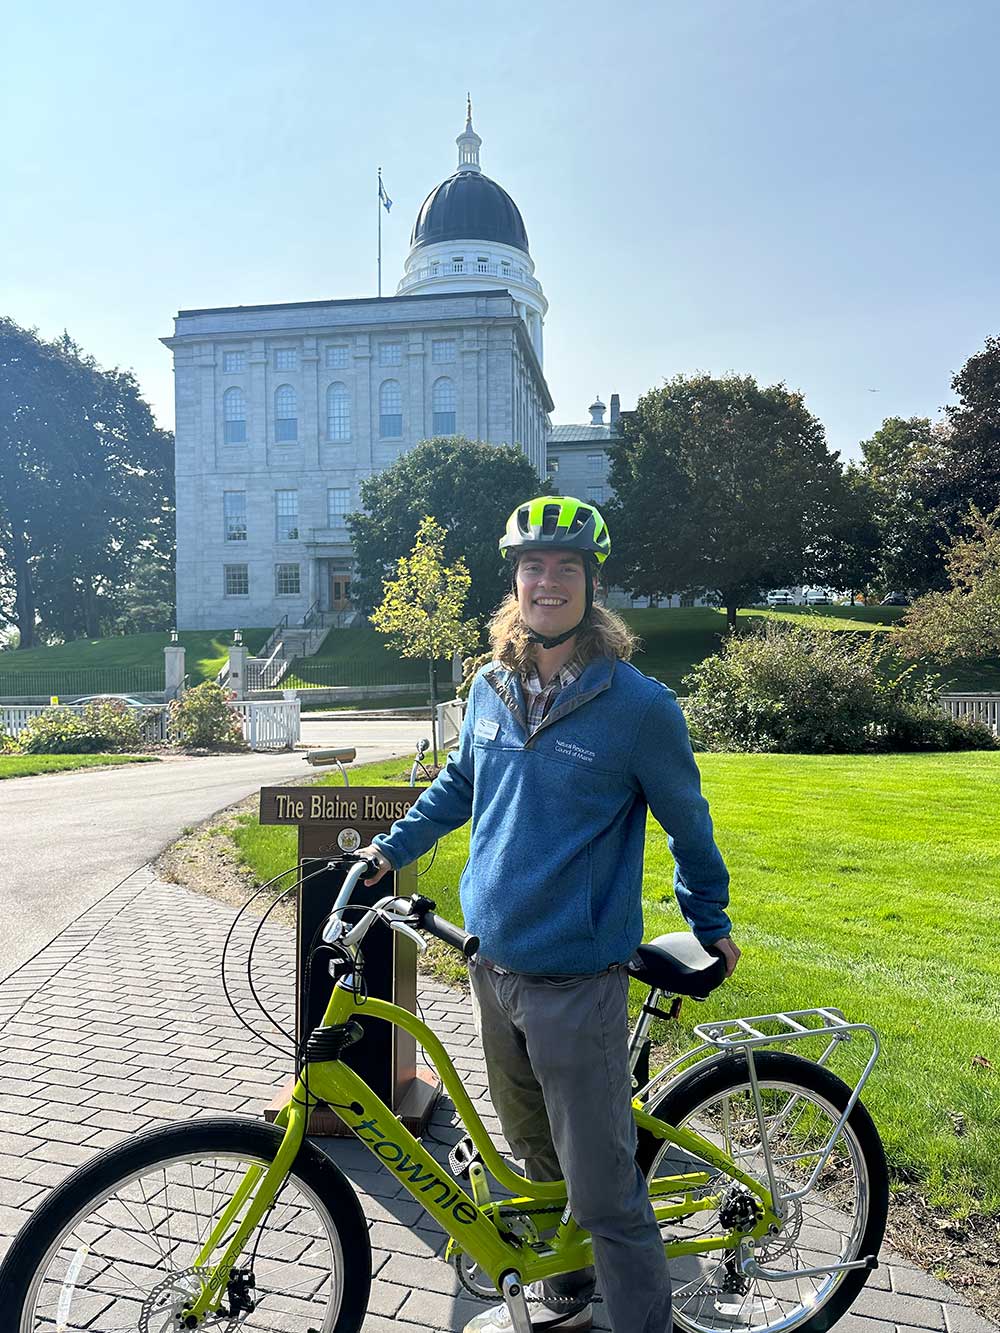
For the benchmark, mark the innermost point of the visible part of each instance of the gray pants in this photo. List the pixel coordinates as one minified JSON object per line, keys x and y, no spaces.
{"x":557,"y":1065}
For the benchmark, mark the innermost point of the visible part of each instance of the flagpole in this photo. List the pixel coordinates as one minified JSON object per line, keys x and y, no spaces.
{"x":378,"y":206}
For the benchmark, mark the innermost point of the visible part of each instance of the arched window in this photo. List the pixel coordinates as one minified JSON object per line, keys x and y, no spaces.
{"x":443,"y":402}
{"x":286,"y":421}
{"x":390,"y":410}
{"x":234,"y":414}
{"x":338,"y":413}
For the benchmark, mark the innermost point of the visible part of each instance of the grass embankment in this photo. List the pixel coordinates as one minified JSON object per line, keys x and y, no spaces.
{"x":206,"y":651}
{"x":675,"y":640}
{"x":865,"y":883}
{"x":360,"y":656}
{"x":27,"y":765}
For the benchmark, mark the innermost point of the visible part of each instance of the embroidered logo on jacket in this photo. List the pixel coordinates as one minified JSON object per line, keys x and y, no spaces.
{"x":573,"y":751}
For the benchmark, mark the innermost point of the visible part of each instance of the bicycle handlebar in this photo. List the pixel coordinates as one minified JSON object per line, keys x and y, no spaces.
{"x":418,"y":908}
{"x":444,"y":930}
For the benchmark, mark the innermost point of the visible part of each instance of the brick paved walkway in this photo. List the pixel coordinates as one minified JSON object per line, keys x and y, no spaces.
{"x":93,"y":1047}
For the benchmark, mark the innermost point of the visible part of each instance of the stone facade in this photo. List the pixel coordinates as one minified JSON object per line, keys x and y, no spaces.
{"x":282,"y":411}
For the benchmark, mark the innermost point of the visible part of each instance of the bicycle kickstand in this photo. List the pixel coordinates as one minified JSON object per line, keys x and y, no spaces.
{"x":512,"y":1290}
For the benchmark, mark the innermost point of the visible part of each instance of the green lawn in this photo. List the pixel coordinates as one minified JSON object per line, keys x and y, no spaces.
{"x":360,"y":657}
{"x":867,"y":883}
{"x":27,"y":765}
{"x":206,"y":651}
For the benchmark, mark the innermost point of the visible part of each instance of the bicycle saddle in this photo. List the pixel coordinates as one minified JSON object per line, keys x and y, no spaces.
{"x":678,"y":964}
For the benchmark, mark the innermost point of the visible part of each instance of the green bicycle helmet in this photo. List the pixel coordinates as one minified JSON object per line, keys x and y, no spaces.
{"x":558,"y":523}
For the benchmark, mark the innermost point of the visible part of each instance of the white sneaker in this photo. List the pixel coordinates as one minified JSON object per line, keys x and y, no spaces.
{"x":498,"y":1319}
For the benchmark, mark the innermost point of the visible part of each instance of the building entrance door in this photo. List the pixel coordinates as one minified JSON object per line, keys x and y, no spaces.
{"x":340,"y":591}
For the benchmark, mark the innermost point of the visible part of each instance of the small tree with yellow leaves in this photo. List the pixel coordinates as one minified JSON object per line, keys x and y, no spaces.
{"x":421,"y":608}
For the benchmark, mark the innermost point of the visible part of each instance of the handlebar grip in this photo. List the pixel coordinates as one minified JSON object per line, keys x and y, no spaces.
{"x":449,"y":933}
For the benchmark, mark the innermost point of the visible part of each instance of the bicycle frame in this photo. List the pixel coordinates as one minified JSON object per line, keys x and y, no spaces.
{"x":475,"y":1229}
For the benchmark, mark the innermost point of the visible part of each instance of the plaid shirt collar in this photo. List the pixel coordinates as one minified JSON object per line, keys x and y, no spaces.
{"x":538,"y":697}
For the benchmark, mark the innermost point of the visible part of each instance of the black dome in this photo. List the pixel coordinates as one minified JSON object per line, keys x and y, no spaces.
{"x":469,"y":207}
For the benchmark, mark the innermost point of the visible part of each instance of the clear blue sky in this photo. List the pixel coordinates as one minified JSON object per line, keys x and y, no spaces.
{"x":805,"y":190}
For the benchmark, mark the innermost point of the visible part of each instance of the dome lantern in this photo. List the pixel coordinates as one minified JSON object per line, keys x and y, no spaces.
{"x":469,"y":142}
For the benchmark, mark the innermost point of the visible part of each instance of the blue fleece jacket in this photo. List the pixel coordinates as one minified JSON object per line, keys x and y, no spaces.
{"x":553,"y":884}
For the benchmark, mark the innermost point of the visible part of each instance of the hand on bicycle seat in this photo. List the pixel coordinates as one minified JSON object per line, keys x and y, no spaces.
{"x":730,"y":952}
{"x":372,"y":853}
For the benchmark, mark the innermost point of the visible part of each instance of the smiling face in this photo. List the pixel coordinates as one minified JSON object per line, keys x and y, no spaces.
{"x":551,"y":590}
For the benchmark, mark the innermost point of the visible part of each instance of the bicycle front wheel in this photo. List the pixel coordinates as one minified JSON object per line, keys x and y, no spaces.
{"x":841,"y":1219}
{"x":114,"y":1247}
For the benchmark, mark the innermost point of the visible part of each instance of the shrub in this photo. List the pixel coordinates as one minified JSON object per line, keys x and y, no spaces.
{"x":202,"y":719}
{"x":470,"y":666}
{"x":58,"y":731}
{"x":806,"y":691}
{"x":102,"y":727}
{"x":114,"y":722}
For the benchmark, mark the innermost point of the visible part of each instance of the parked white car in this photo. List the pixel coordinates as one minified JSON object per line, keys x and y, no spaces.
{"x":817,"y":597}
{"x":780,"y":597}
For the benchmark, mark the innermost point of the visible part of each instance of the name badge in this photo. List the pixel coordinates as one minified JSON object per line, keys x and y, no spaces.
{"x":486,"y":728}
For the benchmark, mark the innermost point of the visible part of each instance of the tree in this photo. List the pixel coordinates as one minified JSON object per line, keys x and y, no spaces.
{"x":721,"y":486}
{"x":964,"y":620}
{"x":421,"y":609}
{"x":898,"y":462}
{"x":85,"y":479}
{"x":471,"y":489}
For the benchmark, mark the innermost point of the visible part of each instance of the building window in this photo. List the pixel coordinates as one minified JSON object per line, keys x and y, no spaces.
{"x":338,"y":498}
{"x":595,"y":494}
{"x":234,"y":515}
{"x":337,"y":358}
{"x":338,"y":412}
{"x":390,"y":354}
{"x":482,"y":264}
{"x":457,"y":264}
{"x":435,"y":268}
{"x":286,"y":421}
{"x":234,"y":363}
{"x":234,"y":414}
{"x":552,"y":465}
{"x":595,"y":463}
{"x":286,"y":516}
{"x":390,"y":410}
{"x":236,"y":580}
{"x":443,"y":403}
{"x":286,"y":580}
{"x":505,"y":267}
{"x":443,"y":350}
{"x":286,"y":358}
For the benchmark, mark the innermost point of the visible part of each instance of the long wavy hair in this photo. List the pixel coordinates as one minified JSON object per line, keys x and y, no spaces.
{"x":604,"y":635}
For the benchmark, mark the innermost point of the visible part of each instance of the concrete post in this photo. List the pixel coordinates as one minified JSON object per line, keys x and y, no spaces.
{"x":238,"y":669}
{"x":456,"y":668}
{"x":173,"y":671}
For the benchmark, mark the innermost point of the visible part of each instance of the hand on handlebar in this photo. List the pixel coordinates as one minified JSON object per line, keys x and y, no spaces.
{"x":372,"y":853}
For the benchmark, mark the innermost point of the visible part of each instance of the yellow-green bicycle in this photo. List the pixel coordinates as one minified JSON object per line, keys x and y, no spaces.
{"x":765,"y":1171}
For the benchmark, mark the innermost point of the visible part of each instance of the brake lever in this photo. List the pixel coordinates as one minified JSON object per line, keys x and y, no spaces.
{"x":405,"y":929}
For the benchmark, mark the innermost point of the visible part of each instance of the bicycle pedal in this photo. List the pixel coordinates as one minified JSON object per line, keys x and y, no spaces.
{"x":461,"y":1158}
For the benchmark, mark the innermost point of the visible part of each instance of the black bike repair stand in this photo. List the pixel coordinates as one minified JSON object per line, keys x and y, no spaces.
{"x":332,"y":821}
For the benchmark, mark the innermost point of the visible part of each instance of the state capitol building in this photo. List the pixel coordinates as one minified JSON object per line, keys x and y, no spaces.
{"x":282,"y":410}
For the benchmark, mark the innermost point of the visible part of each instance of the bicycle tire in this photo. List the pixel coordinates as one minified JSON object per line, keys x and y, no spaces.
{"x":728,"y":1073}
{"x":317,"y":1178}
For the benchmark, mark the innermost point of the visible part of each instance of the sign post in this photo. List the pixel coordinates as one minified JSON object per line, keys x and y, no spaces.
{"x":332,"y":821}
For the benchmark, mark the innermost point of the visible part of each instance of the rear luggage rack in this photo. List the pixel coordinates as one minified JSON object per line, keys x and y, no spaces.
{"x":738,"y":1033}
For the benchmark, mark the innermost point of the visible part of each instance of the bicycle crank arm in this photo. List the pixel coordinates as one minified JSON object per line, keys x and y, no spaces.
{"x":751,"y":1268}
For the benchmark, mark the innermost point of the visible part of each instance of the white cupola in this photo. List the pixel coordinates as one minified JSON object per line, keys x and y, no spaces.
{"x":469,"y":235}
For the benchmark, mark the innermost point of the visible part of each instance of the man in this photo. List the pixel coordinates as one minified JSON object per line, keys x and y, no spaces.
{"x":563,"y":749}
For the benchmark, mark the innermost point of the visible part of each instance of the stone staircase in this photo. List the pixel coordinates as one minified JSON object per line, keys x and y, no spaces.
{"x":287,"y":642}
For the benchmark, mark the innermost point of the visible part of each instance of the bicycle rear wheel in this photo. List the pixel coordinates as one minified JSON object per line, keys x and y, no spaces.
{"x":840,"y":1220}
{"x":114,"y":1246}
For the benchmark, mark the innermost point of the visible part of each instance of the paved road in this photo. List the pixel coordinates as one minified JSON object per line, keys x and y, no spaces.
{"x":70,"y":837}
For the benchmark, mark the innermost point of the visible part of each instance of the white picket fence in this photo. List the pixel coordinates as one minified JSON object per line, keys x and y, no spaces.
{"x":274,"y":725}
{"x":266,"y":726}
{"x":974,"y":708}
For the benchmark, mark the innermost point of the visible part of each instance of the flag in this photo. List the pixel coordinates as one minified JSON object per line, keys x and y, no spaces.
{"x":383,"y":197}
